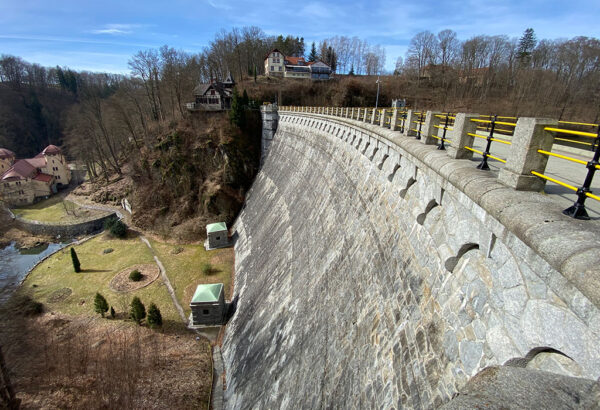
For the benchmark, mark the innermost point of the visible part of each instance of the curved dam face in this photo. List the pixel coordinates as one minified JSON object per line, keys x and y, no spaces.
{"x":368,"y":278}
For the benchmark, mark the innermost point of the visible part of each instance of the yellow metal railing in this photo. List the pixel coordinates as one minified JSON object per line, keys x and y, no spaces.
{"x":491,"y":128}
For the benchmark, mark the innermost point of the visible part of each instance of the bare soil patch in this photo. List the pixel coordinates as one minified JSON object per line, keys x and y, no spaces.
{"x":122,"y":283}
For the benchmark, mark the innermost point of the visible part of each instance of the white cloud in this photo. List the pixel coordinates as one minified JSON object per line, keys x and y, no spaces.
{"x":117,"y":29}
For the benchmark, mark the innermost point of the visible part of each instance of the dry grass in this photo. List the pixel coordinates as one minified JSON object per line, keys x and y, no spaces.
{"x":59,"y":361}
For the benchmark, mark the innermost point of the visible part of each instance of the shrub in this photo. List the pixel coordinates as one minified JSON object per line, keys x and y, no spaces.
{"x":137,"y":311}
{"x":100,"y":304}
{"x":116,"y":227}
{"x":154,"y":316}
{"x":75,"y":259}
{"x":136,"y":275}
{"x":112,"y":312}
{"x":108,"y":250}
{"x":206,"y":268}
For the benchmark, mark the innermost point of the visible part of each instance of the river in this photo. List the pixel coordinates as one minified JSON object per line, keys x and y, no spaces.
{"x":15,"y":263}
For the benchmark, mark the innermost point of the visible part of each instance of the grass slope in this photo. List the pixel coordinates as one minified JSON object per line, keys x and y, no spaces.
{"x":185,"y":269}
{"x":53,"y":210}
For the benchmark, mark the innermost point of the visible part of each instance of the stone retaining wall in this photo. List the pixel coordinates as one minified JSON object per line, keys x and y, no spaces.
{"x":64,"y":230}
{"x":374,"y":271}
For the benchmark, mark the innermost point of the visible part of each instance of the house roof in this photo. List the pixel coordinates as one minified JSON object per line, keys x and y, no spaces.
{"x":272,"y":51}
{"x":295,"y":60}
{"x":43,"y":177}
{"x":6,"y":153}
{"x":318,"y":63}
{"x":216,"y":227}
{"x":51,"y":150}
{"x":201,"y":89}
{"x":37,"y":161}
{"x":20,"y":170}
{"x":208,"y":293}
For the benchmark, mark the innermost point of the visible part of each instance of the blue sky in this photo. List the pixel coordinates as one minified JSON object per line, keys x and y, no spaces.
{"x":102,"y":35}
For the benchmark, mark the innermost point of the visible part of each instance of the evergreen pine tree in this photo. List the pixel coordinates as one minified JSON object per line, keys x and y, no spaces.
{"x":313,"y":52}
{"x":245,"y":99}
{"x":351,"y":72}
{"x":137,"y":310}
{"x":75,"y":259}
{"x":527,"y":43}
{"x":112,"y":312}
{"x":154,"y":316}
{"x":100,"y":304}
{"x":237,"y":115}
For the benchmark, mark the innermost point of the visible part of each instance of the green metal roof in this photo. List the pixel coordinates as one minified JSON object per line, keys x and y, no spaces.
{"x":208,"y":293}
{"x":216,"y":227}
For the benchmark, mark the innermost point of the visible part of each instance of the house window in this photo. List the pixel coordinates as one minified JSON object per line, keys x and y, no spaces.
{"x":21,"y":192}
{"x":272,"y":68}
{"x":279,"y":68}
{"x":58,"y":176}
{"x":206,"y":311}
{"x":218,"y":238}
{"x":18,"y":182}
{"x":7,"y":184}
{"x":212,"y":92}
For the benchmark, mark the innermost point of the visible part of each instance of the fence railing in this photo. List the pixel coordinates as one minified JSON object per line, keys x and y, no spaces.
{"x":529,"y":142}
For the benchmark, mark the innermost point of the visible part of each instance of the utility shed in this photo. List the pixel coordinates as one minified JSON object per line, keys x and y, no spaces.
{"x":216,"y":235}
{"x":208,"y":305}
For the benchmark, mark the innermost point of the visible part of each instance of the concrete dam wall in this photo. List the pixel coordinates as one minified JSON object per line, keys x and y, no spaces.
{"x":375,"y":272}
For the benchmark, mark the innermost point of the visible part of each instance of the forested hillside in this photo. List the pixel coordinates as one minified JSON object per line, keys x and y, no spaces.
{"x":136,"y":138}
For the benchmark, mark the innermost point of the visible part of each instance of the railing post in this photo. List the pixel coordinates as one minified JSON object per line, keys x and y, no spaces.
{"x":463,"y":126}
{"x":428,"y":128}
{"x":393,"y":120}
{"x":352,"y":113}
{"x":366,"y":113}
{"x":523,"y":156}
{"x":382,"y":118}
{"x":373,"y":115}
{"x":410,"y":125}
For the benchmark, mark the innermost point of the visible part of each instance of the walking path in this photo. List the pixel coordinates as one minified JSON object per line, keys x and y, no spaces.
{"x":165,"y":278}
{"x":216,"y":397}
{"x":569,"y":172}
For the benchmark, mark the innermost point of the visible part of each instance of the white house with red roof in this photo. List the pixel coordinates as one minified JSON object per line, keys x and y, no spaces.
{"x":279,"y":65}
{"x":26,"y":181}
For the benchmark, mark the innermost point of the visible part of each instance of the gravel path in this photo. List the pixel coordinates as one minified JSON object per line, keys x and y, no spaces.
{"x":165,"y":278}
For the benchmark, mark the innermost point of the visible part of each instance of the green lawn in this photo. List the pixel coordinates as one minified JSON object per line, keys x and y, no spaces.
{"x":55,"y":209}
{"x":98,"y":269}
{"x":185,"y":273}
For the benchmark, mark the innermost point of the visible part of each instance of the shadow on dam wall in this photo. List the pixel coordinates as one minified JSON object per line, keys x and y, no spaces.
{"x":368,"y":278}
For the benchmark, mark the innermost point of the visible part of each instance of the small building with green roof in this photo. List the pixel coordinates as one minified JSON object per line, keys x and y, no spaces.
{"x":216,"y":236}
{"x":208,"y":305}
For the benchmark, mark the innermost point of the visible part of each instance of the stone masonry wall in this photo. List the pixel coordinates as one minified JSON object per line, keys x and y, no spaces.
{"x":375,"y":272}
{"x":64,"y":230}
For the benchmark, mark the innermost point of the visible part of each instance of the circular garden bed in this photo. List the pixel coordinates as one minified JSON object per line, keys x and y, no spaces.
{"x":122,"y":283}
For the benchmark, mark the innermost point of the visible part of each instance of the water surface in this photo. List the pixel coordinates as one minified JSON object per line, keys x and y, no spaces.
{"x":15,"y":263}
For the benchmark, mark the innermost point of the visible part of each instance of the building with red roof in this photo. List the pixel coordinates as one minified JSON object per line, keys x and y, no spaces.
{"x":26,"y":181}
{"x":279,"y":65}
